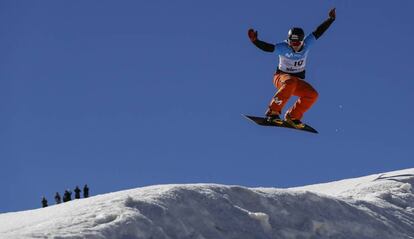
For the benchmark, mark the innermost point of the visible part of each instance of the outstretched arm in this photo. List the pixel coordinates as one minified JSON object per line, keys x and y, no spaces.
{"x":260,"y":44}
{"x":325,"y":25}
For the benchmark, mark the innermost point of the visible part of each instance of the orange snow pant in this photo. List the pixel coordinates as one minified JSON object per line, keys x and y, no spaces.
{"x":287,"y":86}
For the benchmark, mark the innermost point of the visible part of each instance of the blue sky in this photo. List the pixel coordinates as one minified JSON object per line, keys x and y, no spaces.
{"x":123,"y":94}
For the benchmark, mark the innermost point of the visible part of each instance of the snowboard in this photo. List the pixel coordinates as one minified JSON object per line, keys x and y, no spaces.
{"x":263,"y":122}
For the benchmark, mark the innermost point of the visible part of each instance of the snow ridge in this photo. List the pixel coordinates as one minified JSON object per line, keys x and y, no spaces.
{"x":375,"y":206}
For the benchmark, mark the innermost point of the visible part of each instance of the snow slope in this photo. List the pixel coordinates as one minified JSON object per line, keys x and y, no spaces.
{"x":376,"y":206}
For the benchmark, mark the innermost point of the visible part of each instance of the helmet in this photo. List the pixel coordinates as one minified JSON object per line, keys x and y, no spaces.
{"x":296,"y":34}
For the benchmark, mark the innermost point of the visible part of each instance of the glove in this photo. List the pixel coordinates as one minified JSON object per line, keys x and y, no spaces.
{"x":332,"y":14}
{"x":252,"y":35}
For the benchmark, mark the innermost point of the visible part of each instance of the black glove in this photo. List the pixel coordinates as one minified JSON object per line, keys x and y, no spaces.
{"x":332,"y":14}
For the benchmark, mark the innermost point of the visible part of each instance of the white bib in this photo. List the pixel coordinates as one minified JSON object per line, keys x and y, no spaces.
{"x":294,"y":64}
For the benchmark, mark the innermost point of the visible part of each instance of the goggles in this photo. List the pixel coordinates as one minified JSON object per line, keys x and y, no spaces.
{"x":295,"y":43}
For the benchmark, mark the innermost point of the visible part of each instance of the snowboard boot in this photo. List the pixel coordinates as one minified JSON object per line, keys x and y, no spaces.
{"x":273,"y":117}
{"x":295,"y":123}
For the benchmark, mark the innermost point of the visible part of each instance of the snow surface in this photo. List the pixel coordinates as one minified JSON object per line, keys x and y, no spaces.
{"x":376,"y":206}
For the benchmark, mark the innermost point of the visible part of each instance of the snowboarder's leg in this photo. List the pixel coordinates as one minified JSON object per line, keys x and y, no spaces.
{"x":307,"y":97}
{"x":287,"y":86}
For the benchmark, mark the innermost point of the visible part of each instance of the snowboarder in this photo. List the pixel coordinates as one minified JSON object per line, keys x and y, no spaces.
{"x":85,"y":191}
{"x":289,"y":77}
{"x":58,"y":199}
{"x":77,"y":192}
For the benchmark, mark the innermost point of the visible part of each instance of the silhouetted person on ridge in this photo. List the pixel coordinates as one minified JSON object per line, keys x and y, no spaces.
{"x":77,"y":193}
{"x":67,"y":196}
{"x":44,"y":202}
{"x":85,"y":191}
{"x":58,"y":199}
